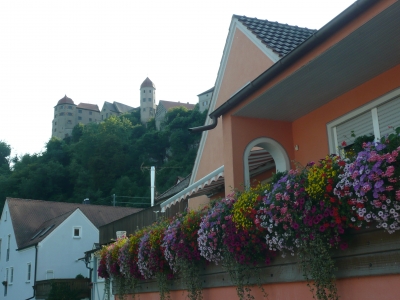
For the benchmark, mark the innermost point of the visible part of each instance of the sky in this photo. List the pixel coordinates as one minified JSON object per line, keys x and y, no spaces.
{"x":96,"y":51}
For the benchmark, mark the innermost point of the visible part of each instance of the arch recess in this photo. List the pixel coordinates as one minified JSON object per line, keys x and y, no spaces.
{"x":276,"y":150}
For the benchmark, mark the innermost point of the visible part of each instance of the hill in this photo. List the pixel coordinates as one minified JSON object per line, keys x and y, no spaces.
{"x":103,"y":159}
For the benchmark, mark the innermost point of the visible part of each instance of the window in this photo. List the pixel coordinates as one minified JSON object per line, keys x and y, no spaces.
{"x":377,"y":118}
{"x":55,"y":123}
{"x":61,"y":114}
{"x":106,"y":115}
{"x":6,"y":285}
{"x":90,"y":119}
{"x":144,"y":99}
{"x":28,"y":273}
{"x":55,"y":116}
{"x":55,"y":108}
{"x":49,"y":274}
{"x":77,"y":232}
{"x":144,"y":91}
{"x":150,"y":99}
{"x":79,"y":118}
{"x":55,"y":130}
{"x":79,"y":111}
{"x":11,"y":275}
{"x":144,"y":109}
{"x":149,"y":91}
{"x":69,"y":114}
{"x":102,"y":117}
{"x":8,"y":247}
{"x":61,"y":107}
{"x":90,"y":112}
{"x":69,"y":107}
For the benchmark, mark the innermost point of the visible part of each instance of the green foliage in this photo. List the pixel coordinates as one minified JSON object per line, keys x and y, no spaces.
{"x":99,"y":160}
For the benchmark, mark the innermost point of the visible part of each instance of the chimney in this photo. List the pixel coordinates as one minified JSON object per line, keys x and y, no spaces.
{"x":86,"y":201}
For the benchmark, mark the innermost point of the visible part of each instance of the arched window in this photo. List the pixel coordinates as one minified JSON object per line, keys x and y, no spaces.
{"x":272,"y":149}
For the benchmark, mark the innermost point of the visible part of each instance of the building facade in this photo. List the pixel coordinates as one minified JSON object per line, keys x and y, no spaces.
{"x":67,"y":114}
{"x":147,"y":100}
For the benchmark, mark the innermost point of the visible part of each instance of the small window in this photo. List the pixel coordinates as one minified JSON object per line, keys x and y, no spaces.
{"x":79,"y":118}
{"x":69,"y":107}
{"x":55,"y":123}
{"x":80,"y":111}
{"x":77,"y":232}
{"x":144,"y":99}
{"x":150,"y":99}
{"x":11,"y":275}
{"x":55,"y":116}
{"x":144,"y":109}
{"x":102,"y":117}
{"x":90,"y":112}
{"x":8,"y":247}
{"x":28,"y":273}
{"x":55,"y":130}
{"x":6,"y":285}
{"x":69,"y":122}
{"x":106,"y":115}
{"x":69,"y":114}
{"x":49,"y":274}
{"x":144,"y":91}
{"x":90,"y":119}
{"x":55,"y":108}
{"x":61,"y":114}
{"x":149,"y":91}
{"x":61,"y":107}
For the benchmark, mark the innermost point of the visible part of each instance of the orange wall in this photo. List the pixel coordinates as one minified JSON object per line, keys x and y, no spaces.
{"x":245,"y":62}
{"x":374,"y":10}
{"x":239,"y":132}
{"x":310,"y":133}
{"x":357,"y":288}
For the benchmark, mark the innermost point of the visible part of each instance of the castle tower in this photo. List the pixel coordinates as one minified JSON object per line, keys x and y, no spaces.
{"x":64,"y":118}
{"x":147,"y":100}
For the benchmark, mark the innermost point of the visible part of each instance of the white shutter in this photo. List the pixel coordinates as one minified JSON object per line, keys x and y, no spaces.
{"x":360,"y":125}
{"x":389,"y":115}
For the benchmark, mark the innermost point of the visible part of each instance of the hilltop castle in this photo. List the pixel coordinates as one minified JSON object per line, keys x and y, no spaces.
{"x":67,"y":114}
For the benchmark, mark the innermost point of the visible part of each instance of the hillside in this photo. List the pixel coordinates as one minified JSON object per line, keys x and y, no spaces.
{"x":103,"y":159}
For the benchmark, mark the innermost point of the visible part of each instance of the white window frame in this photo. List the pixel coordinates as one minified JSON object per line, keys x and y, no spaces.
{"x":371,"y":106}
{"x":80,"y":232}
{"x":8,"y":247}
{"x":11,"y":275}
{"x":48,"y":272}
{"x":28,"y":272}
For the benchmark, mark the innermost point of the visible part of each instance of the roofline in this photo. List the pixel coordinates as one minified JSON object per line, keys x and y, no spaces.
{"x":209,"y":90}
{"x":285,"y":62}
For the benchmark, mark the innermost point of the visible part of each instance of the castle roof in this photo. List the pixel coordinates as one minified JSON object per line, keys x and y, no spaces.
{"x":88,"y":106}
{"x":281,"y":38}
{"x":65,"y":100}
{"x":208,"y":91}
{"x":117,"y":107}
{"x":171,"y":104}
{"x":147,"y":83}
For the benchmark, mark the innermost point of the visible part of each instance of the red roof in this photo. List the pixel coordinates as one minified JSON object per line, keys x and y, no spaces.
{"x":147,"y":83}
{"x":65,"y":100}
{"x":171,"y":104}
{"x":88,"y":106}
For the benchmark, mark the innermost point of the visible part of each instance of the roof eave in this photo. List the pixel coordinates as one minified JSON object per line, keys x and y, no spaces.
{"x":285,"y":62}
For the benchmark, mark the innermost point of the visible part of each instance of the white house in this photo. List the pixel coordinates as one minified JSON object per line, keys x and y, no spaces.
{"x":42,"y":240}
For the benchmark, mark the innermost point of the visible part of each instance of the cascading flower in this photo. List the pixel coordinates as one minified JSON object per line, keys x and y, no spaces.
{"x":370,"y":185}
{"x":212,"y":230}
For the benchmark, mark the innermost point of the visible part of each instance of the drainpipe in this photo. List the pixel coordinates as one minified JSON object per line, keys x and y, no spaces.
{"x":34,"y":274}
{"x":152,"y":183}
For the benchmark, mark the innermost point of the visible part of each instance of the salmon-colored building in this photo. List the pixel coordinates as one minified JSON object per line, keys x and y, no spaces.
{"x":286,"y":95}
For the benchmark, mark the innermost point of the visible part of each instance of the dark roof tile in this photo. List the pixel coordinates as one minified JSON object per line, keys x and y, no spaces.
{"x":281,"y":38}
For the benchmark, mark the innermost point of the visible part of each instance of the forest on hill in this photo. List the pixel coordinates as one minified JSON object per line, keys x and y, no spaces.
{"x":99,"y":160}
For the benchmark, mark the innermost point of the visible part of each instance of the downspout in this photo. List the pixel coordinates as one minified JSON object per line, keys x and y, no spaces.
{"x":34,"y":274}
{"x":206,"y":127}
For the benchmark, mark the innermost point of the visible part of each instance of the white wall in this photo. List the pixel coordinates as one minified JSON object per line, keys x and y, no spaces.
{"x":60,"y":251}
{"x":21,"y":288}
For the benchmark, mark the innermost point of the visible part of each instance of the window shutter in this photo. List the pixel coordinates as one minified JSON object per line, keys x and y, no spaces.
{"x":389,"y":115}
{"x":360,"y":125}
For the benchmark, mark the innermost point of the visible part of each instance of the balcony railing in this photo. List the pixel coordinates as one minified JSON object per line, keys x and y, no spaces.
{"x":82,"y":286}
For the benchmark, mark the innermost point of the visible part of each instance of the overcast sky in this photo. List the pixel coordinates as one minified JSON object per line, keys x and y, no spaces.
{"x":96,"y":51}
